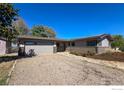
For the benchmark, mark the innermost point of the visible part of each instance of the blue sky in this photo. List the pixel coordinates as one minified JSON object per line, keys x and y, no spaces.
{"x":75,"y":20}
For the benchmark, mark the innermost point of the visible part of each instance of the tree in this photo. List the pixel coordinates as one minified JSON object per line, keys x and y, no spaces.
{"x":8,"y":14}
{"x":118,"y":42}
{"x":50,"y":32}
{"x":42,"y":31}
{"x":21,"y":26}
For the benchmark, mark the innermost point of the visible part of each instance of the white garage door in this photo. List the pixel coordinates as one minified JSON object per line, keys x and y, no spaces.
{"x":39,"y":49}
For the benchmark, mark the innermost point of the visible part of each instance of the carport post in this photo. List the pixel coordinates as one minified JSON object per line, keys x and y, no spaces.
{"x":54,"y":48}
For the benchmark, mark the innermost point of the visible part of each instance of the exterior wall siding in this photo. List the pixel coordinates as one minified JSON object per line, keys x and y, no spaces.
{"x":81,"y":47}
{"x":80,"y":43}
{"x":85,"y":50}
{"x":48,"y":46}
{"x":2,"y":47}
{"x":104,"y":43}
{"x":101,"y":50}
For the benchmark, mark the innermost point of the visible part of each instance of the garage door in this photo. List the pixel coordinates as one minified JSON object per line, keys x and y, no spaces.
{"x":39,"y":49}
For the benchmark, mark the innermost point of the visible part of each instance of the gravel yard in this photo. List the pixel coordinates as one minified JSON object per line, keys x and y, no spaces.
{"x":57,"y":69}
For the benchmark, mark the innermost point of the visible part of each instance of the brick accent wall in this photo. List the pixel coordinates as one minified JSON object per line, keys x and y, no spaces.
{"x":101,"y":50}
{"x":84,"y":50}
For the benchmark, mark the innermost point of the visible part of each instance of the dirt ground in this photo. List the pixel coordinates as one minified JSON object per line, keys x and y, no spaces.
{"x":4,"y":70}
{"x":112,"y":56}
{"x":57,"y":69}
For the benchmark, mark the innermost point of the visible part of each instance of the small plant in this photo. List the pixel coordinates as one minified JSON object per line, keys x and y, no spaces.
{"x":3,"y":81}
{"x":121,"y":48}
{"x":82,"y":54}
{"x":90,"y":53}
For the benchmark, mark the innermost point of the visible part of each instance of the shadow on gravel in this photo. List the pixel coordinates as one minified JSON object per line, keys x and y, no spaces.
{"x":12,"y":58}
{"x":21,"y":54}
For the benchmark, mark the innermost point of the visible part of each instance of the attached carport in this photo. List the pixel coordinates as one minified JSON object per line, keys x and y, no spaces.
{"x":38,"y":44}
{"x":41,"y":45}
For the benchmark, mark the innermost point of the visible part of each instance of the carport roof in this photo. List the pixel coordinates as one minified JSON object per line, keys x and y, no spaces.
{"x":42,"y":38}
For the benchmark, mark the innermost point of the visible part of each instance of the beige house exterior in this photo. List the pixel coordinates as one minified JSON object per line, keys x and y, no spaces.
{"x":5,"y":46}
{"x":96,"y":44}
{"x":2,"y":46}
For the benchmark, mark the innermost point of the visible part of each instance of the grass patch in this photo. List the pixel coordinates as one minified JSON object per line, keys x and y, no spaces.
{"x":3,"y":81}
{"x":7,"y":58}
{"x":5,"y":67}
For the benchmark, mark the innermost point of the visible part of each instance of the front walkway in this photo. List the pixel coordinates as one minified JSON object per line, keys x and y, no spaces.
{"x":57,"y":69}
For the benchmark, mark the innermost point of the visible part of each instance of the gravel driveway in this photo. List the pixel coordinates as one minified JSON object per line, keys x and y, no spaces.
{"x":56,"y":69}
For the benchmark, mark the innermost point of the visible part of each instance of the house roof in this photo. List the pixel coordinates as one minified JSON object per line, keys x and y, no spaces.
{"x":42,"y":38}
{"x":2,"y":38}
{"x":98,"y":37}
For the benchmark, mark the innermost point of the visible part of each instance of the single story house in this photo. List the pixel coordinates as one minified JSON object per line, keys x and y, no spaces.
{"x":95,"y":44}
{"x":4,"y":46}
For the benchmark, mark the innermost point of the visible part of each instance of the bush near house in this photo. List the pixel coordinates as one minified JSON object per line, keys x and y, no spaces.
{"x":83,"y":54}
{"x":118,"y":42}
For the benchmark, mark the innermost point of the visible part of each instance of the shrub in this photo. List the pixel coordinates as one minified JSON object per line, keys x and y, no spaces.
{"x":82,"y":54}
{"x":121,"y":48}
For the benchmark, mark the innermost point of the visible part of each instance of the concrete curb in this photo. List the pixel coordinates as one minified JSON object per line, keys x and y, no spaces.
{"x":10,"y":72}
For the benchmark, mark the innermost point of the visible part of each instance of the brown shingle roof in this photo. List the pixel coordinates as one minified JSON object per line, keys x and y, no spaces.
{"x":98,"y":37}
{"x":43,"y":38}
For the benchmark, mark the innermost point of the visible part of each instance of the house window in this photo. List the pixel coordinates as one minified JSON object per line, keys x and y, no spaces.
{"x":91,"y":43}
{"x":30,"y":43}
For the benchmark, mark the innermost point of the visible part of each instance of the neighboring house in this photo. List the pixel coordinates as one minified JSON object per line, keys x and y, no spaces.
{"x":4,"y":46}
{"x":95,"y":44}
